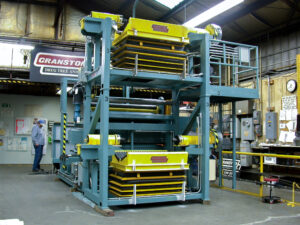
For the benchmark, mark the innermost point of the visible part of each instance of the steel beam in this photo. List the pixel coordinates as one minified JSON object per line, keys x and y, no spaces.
{"x":124,"y":5}
{"x":292,"y":5}
{"x":176,"y":9}
{"x":33,"y":2}
{"x":261,"y":19}
{"x":59,"y":9}
{"x":222,"y":20}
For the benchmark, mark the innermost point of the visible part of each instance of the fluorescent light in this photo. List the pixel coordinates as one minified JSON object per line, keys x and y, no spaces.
{"x":68,"y":89}
{"x":16,"y":46}
{"x":169,"y":3}
{"x":212,"y":12}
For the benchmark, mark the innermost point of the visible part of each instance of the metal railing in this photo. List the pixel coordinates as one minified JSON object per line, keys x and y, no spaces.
{"x":232,"y":61}
{"x":261,"y":170}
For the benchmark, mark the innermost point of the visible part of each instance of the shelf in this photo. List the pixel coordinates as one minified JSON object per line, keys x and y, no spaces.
{"x":286,"y":166}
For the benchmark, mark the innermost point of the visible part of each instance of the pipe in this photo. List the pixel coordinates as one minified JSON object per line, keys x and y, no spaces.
{"x":144,"y":101}
{"x":134,"y":8}
{"x":269,"y":94}
{"x":297,"y":133}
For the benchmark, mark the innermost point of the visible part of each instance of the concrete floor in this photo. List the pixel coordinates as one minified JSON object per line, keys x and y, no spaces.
{"x":44,"y":200}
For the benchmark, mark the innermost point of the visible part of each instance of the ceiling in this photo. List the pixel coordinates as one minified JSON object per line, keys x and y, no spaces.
{"x":250,"y":19}
{"x":241,"y":23}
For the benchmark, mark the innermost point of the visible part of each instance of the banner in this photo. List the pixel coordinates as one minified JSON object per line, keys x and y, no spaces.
{"x":50,"y":65}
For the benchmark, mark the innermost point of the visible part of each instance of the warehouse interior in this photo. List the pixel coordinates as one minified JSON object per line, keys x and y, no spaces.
{"x":149,"y":111}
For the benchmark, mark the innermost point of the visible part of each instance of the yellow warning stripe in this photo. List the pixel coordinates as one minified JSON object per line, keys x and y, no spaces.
{"x":64,"y":133}
{"x":17,"y":82}
{"x":141,"y":90}
{"x":214,"y":132}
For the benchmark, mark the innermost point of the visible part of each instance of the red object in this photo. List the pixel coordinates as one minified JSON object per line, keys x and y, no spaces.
{"x":271,"y":179}
{"x":57,"y":60}
{"x":159,"y":159}
{"x":160,"y":28}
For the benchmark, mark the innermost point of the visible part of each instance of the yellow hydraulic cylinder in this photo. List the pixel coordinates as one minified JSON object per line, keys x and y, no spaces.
{"x":185,"y":140}
{"x":94,"y":139}
{"x":168,"y":109}
{"x":78,"y":146}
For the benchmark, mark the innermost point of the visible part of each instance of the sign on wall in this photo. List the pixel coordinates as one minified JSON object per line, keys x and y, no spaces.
{"x":50,"y":65}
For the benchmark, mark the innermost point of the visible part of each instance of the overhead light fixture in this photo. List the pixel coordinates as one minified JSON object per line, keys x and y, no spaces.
{"x":212,"y":12}
{"x":16,"y":46}
{"x":170,"y":4}
{"x":68,"y":89}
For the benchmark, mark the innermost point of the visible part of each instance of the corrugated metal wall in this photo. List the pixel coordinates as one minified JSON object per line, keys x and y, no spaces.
{"x":36,"y":21}
{"x":279,"y":53}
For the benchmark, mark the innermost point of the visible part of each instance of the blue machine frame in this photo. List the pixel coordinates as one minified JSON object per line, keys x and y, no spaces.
{"x":207,"y":88}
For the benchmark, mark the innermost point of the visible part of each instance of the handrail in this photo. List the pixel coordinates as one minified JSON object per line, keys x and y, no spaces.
{"x":261,"y":155}
{"x":264,"y":154}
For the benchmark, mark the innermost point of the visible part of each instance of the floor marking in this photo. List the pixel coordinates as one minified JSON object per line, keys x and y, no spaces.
{"x":272,"y":218}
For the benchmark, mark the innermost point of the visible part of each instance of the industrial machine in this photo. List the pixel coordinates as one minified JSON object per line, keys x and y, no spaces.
{"x":129,"y":150}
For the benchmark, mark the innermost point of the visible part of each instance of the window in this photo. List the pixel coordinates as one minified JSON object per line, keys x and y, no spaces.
{"x":169,"y":3}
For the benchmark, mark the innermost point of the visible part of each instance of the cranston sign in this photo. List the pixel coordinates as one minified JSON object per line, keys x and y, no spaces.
{"x":50,"y":65}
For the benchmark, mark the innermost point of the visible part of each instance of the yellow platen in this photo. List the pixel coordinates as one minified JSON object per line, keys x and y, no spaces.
{"x":145,"y":178}
{"x":149,"y":194}
{"x":151,"y":161}
{"x":94,"y":139}
{"x":154,"y":30}
{"x":145,"y":184}
{"x":147,"y":190}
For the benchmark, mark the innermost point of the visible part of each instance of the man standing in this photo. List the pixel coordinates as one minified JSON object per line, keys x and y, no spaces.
{"x":38,"y":140}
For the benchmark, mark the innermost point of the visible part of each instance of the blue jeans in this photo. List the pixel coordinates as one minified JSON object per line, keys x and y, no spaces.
{"x":37,"y":157}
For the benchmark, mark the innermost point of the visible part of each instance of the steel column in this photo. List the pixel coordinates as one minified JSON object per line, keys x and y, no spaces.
{"x":220,"y":146}
{"x":104,"y":111}
{"x":233,"y":146}
{"x":204,"y":110}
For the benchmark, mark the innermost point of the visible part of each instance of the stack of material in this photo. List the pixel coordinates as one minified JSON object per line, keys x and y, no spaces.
{"x":152,"y":46}
{"x":148,"y":173}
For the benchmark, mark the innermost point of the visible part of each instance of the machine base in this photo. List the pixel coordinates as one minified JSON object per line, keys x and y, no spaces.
{"x":104,"y":212}
{"x":271,"y":200}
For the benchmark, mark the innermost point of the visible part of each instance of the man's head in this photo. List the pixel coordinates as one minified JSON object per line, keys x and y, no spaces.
{"x":40,"y":123}
{"x":35,"y":120}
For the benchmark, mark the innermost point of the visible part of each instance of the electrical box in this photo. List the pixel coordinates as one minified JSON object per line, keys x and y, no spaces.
{"x":271,"y":125}
{"x":244,"y":54}
{"x":212,"y":169}
{"x":247,"y":129}
{"x":244,"y":107}
{"x":246,"y":160}
{"x":258,"y":130}
{"x":237,"y":128}
{"x":75,"y":136}
{"x":226,"y":123}
{"x":256,"y":117}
